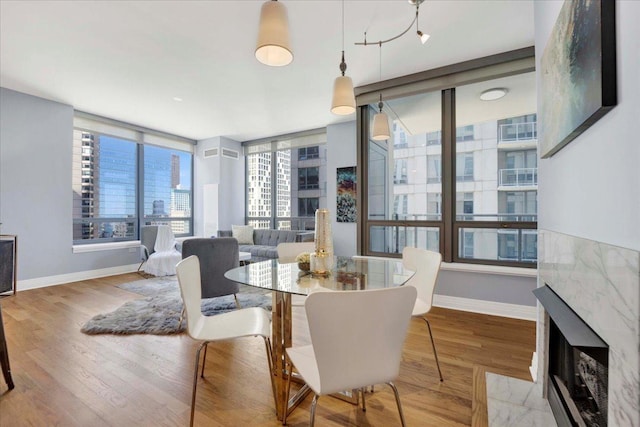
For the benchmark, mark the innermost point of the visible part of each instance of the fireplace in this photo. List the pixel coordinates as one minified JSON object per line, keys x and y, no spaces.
{"x":577,"y":375}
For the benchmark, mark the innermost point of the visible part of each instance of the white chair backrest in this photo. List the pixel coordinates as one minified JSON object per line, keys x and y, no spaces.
{"x":287,"y":252}
{"x":357,"y":336}
{"x":188,"y":271}
{"x":426,"y":264}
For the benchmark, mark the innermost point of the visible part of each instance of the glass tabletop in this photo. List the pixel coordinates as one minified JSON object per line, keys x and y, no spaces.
{"x":348,"y":274}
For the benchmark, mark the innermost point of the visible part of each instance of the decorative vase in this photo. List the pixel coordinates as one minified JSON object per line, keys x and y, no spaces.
{"x":322,"y":259}
{"x":304,"y":266}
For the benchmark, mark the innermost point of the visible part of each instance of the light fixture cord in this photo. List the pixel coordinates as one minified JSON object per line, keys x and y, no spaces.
{"x":343,"y":64}
{"x":380,"y":61}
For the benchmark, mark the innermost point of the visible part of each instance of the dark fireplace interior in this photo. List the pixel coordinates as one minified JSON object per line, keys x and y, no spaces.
{"x":578,"y":366}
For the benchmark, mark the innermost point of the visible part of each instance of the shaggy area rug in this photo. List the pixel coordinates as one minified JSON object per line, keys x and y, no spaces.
{"x":159,"y":312}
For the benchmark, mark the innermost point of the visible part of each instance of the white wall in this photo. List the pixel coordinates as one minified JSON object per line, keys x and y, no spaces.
{"x":591,"y":188}
{"x":341,"y":152}
{"x":219,"y":188}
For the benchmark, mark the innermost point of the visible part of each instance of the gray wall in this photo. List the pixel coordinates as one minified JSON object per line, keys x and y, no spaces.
{"x":35,"y":189}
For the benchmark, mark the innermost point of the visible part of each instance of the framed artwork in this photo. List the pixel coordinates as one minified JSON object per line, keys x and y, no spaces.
{"x":578,"y":72}
{"x":346,"y":195}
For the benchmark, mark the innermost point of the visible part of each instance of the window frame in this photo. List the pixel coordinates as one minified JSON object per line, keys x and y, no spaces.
{"x":509,"y":63}
{"x":102,"y":126}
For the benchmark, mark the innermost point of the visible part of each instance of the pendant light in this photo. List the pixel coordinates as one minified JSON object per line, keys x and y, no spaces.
{"x":344,"y":101}
{"x":273,"y":47}
{"x":380,"y":129}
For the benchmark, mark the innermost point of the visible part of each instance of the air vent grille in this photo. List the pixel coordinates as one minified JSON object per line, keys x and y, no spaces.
{"x":211,"y":152}
{"x":231,"y":154}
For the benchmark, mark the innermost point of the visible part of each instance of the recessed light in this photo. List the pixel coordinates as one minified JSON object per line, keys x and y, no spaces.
{"x":177,"y":99}
{"x":493,"y":94}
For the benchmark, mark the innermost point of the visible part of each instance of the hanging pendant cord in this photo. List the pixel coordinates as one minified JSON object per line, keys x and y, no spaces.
{"x":380,"y":79}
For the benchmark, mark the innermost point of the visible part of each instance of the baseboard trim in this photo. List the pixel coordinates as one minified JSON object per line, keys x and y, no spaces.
{"x":493,"y":308}
{"x":43,"y":282}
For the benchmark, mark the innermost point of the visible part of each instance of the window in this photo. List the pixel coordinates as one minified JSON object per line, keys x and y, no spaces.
{"x":485,"y":211}
{"x":307,"y":206}
{"x":107,"y":163}
{"x":285,"y":181}
{"x":167,"y":188}
{"x":308,"y":153}
{"x":308,"y":178}
{"x":400,"y":172}
{"x":464,"y":167}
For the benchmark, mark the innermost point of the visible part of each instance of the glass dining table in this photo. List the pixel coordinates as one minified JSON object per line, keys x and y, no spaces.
{"x":286,"y":279}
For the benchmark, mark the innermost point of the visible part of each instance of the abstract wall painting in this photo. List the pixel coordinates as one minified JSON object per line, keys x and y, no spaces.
{"x":346,"y":195}
{"x":578,"y":75}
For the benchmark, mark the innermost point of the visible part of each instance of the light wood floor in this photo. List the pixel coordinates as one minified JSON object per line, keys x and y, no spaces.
{"x":66,"y":378}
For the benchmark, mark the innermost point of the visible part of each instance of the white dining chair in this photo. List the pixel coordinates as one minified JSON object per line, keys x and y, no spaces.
{"x":356,"y":340}
{"x":426,"y":265}
{"x":245,"y":322}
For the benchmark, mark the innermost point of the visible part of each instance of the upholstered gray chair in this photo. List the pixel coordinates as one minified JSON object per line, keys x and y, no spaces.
{"x":216,"y":256}
{"x":148,"y":234}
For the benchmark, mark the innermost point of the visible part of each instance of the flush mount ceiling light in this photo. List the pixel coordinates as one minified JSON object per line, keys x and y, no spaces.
{"x":344,"y":101}
{"x":273,"y":47}
{"x":493,"y":94}
{"x":423,"y":36}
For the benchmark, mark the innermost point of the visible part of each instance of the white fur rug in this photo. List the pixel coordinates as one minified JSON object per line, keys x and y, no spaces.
{"x":159,"y":312}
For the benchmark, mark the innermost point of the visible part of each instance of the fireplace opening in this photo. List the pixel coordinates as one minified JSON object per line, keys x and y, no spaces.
{"x":578,"y":380}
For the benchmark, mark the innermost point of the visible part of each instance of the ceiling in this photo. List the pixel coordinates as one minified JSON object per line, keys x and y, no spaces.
{"x":128,"y":60}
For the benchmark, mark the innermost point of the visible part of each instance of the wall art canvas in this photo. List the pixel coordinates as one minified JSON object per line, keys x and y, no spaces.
{"x":346,"y":195}
{"x":578,"y":72}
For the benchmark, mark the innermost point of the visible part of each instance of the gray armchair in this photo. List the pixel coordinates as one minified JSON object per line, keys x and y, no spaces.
{"x":148,"y":234}
{"x":216,"y":257}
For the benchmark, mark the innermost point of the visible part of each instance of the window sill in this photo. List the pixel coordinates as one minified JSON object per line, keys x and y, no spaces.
{"x":489,"y":269}
{"x":99,"y":247}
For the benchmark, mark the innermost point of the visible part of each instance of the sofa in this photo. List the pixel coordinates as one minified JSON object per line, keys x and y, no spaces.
{"x":265,"y":242}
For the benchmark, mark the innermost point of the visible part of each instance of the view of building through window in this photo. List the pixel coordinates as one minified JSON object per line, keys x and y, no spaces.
{"x":288,"y":197}
{"x":105,"y":182}
{"x":495,"y":158}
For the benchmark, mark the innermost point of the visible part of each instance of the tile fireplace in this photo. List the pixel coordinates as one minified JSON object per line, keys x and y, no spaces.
{"x":577,"y":370}
{"x":600,"y":285}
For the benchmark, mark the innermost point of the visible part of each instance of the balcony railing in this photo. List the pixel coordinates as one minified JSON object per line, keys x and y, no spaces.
{"x":518,"y":177}
{"x":518,"y":132}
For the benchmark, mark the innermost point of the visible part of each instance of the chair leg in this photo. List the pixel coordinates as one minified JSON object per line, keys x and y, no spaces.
{"x":267,"y":343}
{"x":204,"y":359}
{"x":364,"y":405}
{"x":139,"y":267}
{"x":314,"y":402}
{"x":235,"y":297}
{"x":435,"y":353}
{"x":195,"y":383}
{"x":395,"y":392}
{"x":288,"y":390}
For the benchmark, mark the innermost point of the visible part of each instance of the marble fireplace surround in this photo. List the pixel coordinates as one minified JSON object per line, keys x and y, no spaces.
{"x":601,"y":283}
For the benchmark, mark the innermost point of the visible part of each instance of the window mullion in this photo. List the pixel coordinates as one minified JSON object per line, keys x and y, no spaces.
{"x":448,"y":242}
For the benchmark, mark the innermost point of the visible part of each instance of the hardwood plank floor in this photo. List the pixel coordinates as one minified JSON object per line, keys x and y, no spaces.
{"x":66,"y":378}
